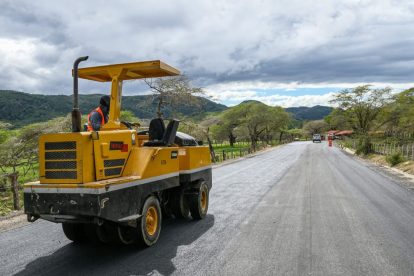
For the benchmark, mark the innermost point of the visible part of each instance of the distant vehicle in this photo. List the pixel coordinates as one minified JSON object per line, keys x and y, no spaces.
{"x":316,"y":138}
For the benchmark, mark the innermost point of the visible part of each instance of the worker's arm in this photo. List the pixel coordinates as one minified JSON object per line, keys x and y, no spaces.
{"x":95,"y":121}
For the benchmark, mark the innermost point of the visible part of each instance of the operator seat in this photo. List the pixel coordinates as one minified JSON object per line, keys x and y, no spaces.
{"x":156,"y":129}
{"x":168,"y":137}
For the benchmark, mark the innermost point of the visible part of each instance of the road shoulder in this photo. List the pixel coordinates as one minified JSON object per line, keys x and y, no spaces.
{"x":404,"y":179}
{"x":13,"y":221}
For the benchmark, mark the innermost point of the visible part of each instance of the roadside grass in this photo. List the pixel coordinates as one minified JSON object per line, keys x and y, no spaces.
{"x":6,"y":196}
{"x":405,"y":166}
{"x":223,"y":151}
{"x":6,"y":202}
{"x":226,"y":146}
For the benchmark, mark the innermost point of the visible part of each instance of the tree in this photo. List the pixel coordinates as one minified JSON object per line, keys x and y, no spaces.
{"x":338,"y":119}
{"x":128,"y":116}
{"x":362,"y":105}
{"x":19,"y":152}
{"x":278,"y":123}
{"x":398,"y":115}
{"x":17,"y":156}
{"x":4,"y":131}
{"x":173,"y":91}
{"x":193,"y":129}
{"x":200,"y":131}
{"x":225,"y":126}
{"x":314,"y":127}
{"x":257,"y":120}
{"x":296,"y":133}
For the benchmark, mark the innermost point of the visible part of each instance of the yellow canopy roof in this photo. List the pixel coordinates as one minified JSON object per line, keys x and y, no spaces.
{"x":128,"y":71}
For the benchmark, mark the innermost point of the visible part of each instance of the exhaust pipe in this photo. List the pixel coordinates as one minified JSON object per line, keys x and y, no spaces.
{"x":76,"y":115}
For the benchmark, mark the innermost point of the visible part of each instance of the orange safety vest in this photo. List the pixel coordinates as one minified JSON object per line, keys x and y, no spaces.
{"x":89,"y":118}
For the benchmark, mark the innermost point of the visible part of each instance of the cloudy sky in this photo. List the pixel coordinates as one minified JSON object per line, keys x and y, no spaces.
{"x":282,"y":52}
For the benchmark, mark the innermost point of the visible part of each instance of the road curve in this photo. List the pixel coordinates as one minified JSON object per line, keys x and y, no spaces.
{"x":299,"y":209}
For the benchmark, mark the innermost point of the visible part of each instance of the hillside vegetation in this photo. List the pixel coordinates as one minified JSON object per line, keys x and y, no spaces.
{"x":304,"y":113}
{"x":21,"y":109}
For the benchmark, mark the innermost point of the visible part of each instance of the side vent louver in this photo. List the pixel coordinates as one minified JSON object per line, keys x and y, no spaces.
{"x":60,"y":160}
{"x":113,"y":166}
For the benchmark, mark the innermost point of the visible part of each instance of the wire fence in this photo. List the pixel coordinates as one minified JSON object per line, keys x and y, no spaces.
{"x":223,"y":155}
{"x":230,"y":153}
{"x":406,"y":150}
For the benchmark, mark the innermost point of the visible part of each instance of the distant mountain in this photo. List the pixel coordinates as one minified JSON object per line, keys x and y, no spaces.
{"x":303,"y":113}
{"x":20,"y":108}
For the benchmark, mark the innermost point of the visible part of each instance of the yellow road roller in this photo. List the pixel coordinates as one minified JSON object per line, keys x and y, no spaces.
{"x":116,"y":184}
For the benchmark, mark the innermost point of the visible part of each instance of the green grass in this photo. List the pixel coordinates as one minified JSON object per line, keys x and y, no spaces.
{"x":394,"y":159}
{"x":6,"y":198}
{"x":6,"y":202}
{"x":227,"y":148}
{"x":224,"y":151}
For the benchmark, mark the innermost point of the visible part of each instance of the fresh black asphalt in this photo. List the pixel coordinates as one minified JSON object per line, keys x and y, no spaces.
{"x":299,"y":209}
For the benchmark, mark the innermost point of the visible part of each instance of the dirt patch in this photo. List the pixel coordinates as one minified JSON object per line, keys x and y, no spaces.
{"x":407,"y":167}
{"x":13,"y":221}
{"x":404,"y":170}
{"x":378,"y":159}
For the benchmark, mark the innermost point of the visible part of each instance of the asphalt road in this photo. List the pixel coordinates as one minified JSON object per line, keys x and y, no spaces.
{"x":299,"y":209}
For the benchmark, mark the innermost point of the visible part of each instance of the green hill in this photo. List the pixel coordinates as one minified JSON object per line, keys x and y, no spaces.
{"x":20,"y":108}
{"x":304,"y":113}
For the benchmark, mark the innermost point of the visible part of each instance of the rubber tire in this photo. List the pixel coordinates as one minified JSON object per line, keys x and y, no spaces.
{"x":196,"y":210}
{"x":167,"y":206}
{"x":74,"y":232}
{"x":144,"y":239}
{"x":91,"y":232}
{"x":179,"y":204}
{"x":108,"y":233}
{"x":129,"y":237}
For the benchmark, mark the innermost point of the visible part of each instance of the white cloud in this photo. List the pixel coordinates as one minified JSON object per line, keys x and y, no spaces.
{"x":235,"y":97}
{"x":235,"y":93}
{"x":244,"y":44}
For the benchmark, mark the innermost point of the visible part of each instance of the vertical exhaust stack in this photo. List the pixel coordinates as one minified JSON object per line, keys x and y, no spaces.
{"x":76,"y":115}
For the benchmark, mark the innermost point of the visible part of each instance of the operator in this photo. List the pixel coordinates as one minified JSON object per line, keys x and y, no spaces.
{"x":99,"y":116}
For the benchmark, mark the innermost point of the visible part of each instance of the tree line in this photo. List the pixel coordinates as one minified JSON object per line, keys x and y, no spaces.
{"x":369,"y":112}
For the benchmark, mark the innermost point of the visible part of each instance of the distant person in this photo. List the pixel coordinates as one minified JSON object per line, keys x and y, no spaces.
{"x":99,"y":116}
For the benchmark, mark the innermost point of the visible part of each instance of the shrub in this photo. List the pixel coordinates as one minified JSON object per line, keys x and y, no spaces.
{"x":364,"y":146}
{"x":394,"y":159}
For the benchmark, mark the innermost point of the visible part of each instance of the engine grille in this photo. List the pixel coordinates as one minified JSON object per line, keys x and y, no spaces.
{"x":113,"y":167}
{"x":114,"y":162}
{"x":60,"y":145}
{"x":113,"y":171}
{"x":60,"y":160}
